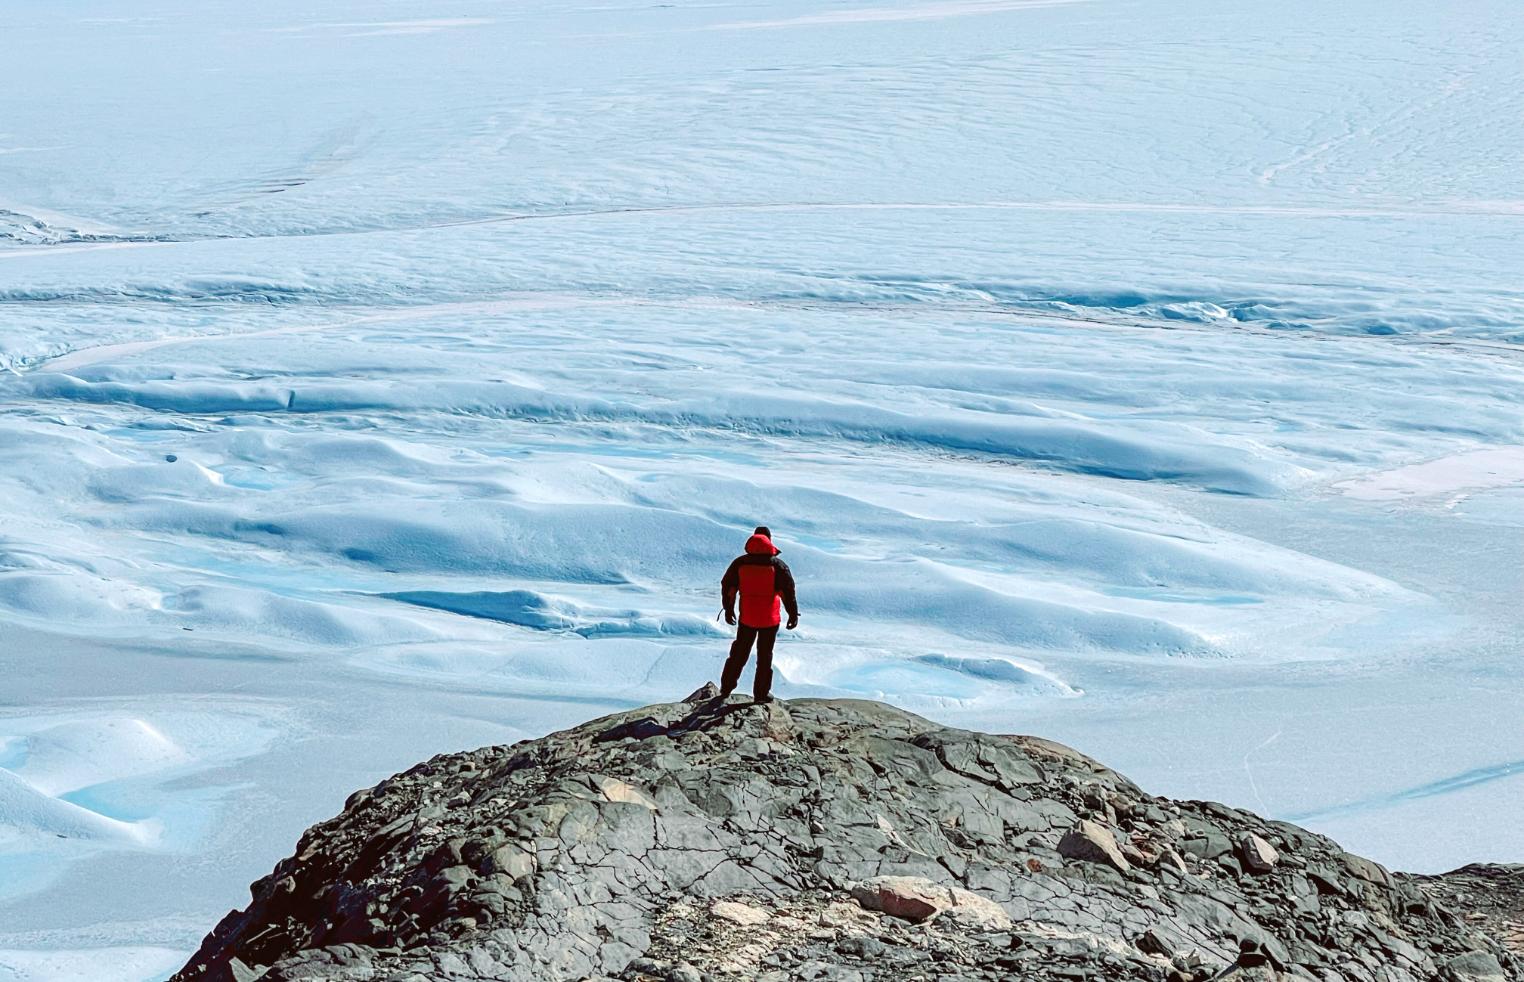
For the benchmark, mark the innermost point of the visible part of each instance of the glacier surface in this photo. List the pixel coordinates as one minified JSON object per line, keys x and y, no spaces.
{"x":377,"y":381}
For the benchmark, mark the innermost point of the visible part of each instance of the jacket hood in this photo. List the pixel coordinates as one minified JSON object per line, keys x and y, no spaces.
{"x":761,"y":544}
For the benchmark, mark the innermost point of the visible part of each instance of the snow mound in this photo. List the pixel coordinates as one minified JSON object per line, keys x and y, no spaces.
{"x":28,"y":811}
{"x":78,"y":753}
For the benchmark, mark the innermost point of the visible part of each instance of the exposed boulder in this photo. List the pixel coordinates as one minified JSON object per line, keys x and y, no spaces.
{"x":738,"y":913}
{"x":1093,"y":843}
{"x":817,"y":839}
{"x":916,"y":899}
{"x":1257,"y":855}
{"x":1475,"y":966}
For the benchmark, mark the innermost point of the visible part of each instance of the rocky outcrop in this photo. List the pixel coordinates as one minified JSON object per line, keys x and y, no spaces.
{"x":1490,"y":897}
{"x":816,"y":839}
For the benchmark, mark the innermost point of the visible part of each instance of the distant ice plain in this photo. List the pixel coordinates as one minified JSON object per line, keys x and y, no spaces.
{"x":1146,"y":375}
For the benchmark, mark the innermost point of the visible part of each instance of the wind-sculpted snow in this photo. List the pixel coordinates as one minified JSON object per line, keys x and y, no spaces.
{"x":1163,"y":267}
{"x":1066,"y":444}
{"x":385,"y":380}
{"x":29,"y":811}
{"x":88,"y":781}
{"x":529,"y":609}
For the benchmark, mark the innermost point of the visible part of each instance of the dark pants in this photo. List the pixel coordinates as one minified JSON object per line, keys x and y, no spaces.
{"x":740,"y":650}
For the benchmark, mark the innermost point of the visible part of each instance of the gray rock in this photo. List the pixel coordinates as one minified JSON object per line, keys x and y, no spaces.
{"x":1093,"y":843}
{"x":1207,"y":844}
{"x":701,"y":840}
{"x":239,"y":972}
{"x":1476,"y":966}
{"x":1256,"y":855}
{"x":512,"y":861}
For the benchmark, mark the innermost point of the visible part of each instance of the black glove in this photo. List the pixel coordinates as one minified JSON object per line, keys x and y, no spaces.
{"x":793,"y":621}
{"x":730,"y":617}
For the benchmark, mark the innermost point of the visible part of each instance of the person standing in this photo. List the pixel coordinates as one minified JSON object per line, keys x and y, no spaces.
{"x":765,"y":587}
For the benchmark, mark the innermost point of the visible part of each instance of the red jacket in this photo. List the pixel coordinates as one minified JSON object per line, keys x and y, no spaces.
{"x":763,"y":582}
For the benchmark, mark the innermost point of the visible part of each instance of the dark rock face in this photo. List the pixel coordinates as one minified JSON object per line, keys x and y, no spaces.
{"x":1491,"y":896}
{"x":814,"y":839}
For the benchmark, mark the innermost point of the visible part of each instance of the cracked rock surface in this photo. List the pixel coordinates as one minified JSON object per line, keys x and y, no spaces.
{"x":1490,"y":895}
{"x":820,"y":839}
